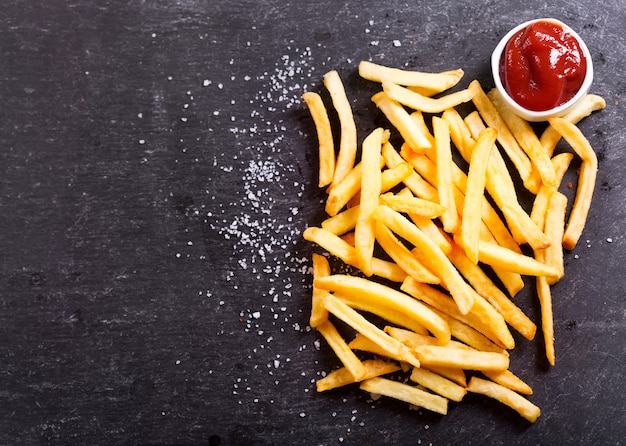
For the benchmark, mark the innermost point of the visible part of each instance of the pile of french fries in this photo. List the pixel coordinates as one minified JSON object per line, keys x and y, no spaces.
{"x":437,"y":238}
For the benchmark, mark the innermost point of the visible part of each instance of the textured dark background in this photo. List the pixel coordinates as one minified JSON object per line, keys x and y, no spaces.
{"x":157,"y":168}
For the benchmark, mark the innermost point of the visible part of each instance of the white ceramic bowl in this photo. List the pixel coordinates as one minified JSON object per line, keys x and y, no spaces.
{"x":532,"y":115}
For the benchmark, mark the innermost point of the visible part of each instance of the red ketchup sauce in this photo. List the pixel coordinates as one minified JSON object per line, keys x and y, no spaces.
{"x":542,"y":66}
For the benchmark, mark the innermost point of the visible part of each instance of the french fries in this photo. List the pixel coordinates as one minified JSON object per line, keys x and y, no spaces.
{"x":434,"y":231}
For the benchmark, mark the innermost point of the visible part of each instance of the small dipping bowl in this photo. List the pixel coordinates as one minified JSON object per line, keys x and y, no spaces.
{"x":532,"y":115}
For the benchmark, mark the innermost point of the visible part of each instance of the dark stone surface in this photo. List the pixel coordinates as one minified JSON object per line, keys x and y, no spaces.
{"x":157,"y":168}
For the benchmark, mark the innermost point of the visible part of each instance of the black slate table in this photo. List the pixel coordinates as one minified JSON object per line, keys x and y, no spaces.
{"x":157,"y":169}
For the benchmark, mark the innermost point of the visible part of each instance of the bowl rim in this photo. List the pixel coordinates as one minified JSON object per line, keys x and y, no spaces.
{"x":533,"y":115}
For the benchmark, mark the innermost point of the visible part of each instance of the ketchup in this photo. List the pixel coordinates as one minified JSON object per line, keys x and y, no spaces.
{"x":542,"y":66}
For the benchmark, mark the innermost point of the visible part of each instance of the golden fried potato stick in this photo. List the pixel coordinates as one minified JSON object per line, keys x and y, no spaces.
{"x":363,"y":343}
{"x":326,"y":146}
{"x":509,"y":380}
{"x":438,"y":384}
{"x":370,"y":191}
{"x":412,"y":205}
{"x":342,"y":377}
{"x":445,"y":185}
{"x":506,"y":396}
{"x":436,"y":82}
{"x":586,"y":179}
{"x":348,"y":136}
{"x":554,"y":229}
{"x":342,"y":222}
{"x":474,"y":193}
{"x":383,"y":295}
{"x":406,"y":393}
{"x":547,"y":318}
{"x":389,"y":314}
{"x":343,"y":250}
{"x":402,"y":256}
{"x":590,"y":103}
{"x":350,"y":361}
{"x":423,"y":103}
{"x":433,"y":258}
{"x":401,"y":120}
{"x":321,"y":268}
{"x":412,"y":339}
{"x":506,"y":139}
{"x":526,"y":137}
{"x":493,"y":254}
{"x":466,"y":359}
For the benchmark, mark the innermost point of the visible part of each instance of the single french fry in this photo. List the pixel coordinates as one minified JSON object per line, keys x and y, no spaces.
{"x":340,"y":193}
{"x":432,"y":257}
{"x":485,"y":287}
{"x":590,"y":103}
{"x":474,"y":194}
{"x":326,"y":144}
{"x":438,"y":384}
{"x":506,"y":139}
{"x":412,"y":205}
{"x":393,"y":176}
{"x":509,"y":380}
{"x":413,"y":339}
{"x":350,"y":361}
{"x":506,"y":396}
{"x":401,"y":120}
{"x":389,"y":314}
{"x":526,"y":137}
{"x":455,"y":375}
{"x":466,"y":359}
{"x":389,"y":297}
{"x":547,"y":318}
{"x":406,"y":393}
{"x":402,"y":256}
{"x":586,"y":179}
{"x":388,"y":270}
{"x":493,"y":254}
{"x":554,"y":229}
{"x":321,"y":268}
{"x":342,"y":376}
{"x":348,"y":136}
{"x":370,"y":192}
{"x":405,"y":357}
{"x":342,"y":222}
{"x":450,"y":217}
{"x":423,"y":103}
{"x":437,"y":82}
